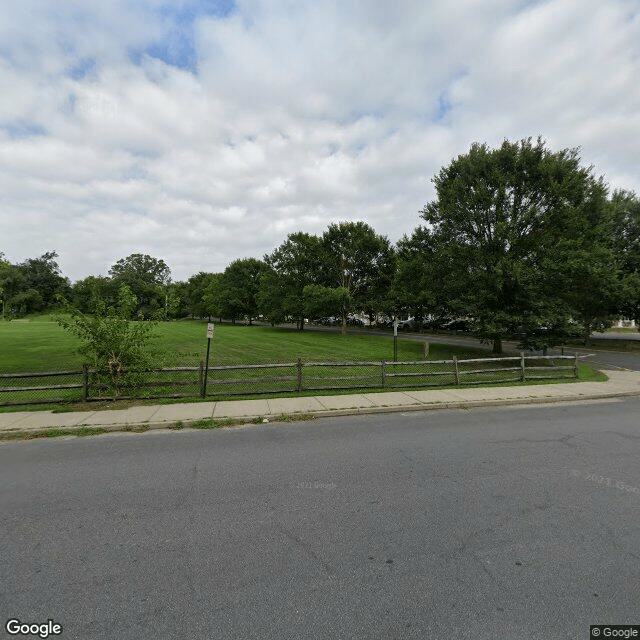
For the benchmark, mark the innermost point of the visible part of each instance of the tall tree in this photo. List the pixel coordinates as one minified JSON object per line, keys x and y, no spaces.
{"x":296,"y":263}
{"x":418,"y":281}
{"x":360,"y":261}
{"x":92,"y":292}
{"x":148,"y":278}
{"x":212,"y":299}
{"x":42,"y":285}
{"x":625,"y":207}
{"x":239,"y":288}
{"x":11,"y":282}
{"x":508,"y":221}
{"x":196,"y":291}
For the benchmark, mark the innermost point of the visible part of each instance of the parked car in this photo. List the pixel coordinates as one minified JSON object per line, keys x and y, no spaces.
{"x":407,"y":325}
{"x":459,"y":324}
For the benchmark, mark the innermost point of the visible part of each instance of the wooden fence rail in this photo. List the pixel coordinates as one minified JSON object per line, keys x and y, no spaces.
{"x":256,"y":379}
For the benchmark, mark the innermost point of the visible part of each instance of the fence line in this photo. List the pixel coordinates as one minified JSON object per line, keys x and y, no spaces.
{"x":289,"y":377}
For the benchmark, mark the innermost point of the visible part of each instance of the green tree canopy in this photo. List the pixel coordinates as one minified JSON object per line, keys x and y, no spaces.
{"x":360,"y":261}
{"x":509,"y":222}
{"x":296,"y":263}
{"x":33,"y":285}
{"x":625,"y":208}
{"x":418,"y":283}
{"x":92,"y":292}
{"x":239,"y":287}
{"x":148,"y":278}
{"x":201,"y":294}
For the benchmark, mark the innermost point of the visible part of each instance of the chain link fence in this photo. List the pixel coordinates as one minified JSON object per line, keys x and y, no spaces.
{"x":195,"y":379}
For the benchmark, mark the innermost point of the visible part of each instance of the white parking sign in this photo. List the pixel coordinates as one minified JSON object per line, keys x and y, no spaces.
{"x":210,"y":330}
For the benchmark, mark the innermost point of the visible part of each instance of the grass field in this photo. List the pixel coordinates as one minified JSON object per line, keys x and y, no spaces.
{"x":39,"y":344}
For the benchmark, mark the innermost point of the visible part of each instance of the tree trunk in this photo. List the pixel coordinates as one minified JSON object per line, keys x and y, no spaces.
{"x":343,"y":329}
{"x":497,"y":346}
{"x":301,"y":324}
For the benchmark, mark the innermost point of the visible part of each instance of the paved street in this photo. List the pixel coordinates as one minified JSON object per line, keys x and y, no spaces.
{"x":484,"y":523}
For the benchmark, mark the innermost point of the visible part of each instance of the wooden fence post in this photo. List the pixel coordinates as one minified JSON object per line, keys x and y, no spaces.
{"x":455,"y":369}
{"x":522,"y":372}
{"x":575,"y":366}
{"x":299,"y":367}
{"x":384,"y":373}
{"x":85,"y":382}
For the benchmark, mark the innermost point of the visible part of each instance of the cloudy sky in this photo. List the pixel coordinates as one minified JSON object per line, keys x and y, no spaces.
{"x":201,"y":131}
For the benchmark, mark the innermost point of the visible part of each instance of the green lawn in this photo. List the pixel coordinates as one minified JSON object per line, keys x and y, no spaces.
{"x":39,"y":344}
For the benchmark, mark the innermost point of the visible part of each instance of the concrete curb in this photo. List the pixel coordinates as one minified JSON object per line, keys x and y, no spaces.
{"x":18,"y":433}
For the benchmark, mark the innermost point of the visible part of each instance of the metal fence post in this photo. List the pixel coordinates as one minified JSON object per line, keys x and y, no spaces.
{"x":522,"y":374}
{"x":299,"y":381}
{"x":455,"y":369}
{"x":201,"y":379}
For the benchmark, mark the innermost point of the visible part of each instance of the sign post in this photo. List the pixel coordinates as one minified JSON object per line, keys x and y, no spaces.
{"x":395,"y":341}
{"x":210,"y":330}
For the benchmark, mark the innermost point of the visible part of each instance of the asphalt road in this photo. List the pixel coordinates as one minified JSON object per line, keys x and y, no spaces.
{"x":491,"y":523}
{"x":598,"y":357}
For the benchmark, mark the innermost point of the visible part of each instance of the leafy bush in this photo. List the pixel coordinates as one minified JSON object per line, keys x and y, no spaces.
{"x":116,"y":346}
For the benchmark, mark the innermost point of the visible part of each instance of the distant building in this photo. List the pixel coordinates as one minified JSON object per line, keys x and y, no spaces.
{"x":624,"y":324}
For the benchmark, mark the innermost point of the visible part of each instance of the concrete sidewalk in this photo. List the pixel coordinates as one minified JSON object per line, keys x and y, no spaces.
{"x":620,"y":383}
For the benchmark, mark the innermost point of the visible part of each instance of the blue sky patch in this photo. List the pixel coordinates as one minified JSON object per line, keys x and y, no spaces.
{"x":82,"y":68}
{"x":187,"y":12}
{"x":178,"y":46}
{"x":19,"y":130}
{"x":444,"y":107}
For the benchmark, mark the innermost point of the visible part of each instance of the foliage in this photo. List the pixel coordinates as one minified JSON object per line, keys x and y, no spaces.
{"x":111,"y":342}
{"x":148,"y":279}
{"x":359,"y":260}
{"x":239,"y":287}
{"x":419,"y":280}
{"x":508,"y":222}
{"x":176,"y":300}
{"x":194,"y":294}
{"x":296,"y":263}
{"x":31,"y":286}
{"x":625,"y":208}
{"x":43,"y":276}
{"x":212,"y":297}
{"x":88,"y":294}
{"x":320,"y":301}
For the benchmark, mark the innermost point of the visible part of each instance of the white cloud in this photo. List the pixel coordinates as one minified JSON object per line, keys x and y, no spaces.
{"x":295,"y":115}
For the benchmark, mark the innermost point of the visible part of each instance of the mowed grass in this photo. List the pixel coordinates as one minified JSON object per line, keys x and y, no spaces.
{"x":40,"y":344}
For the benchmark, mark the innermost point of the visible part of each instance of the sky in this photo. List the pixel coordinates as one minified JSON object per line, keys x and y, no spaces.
{"x":203,"y":131}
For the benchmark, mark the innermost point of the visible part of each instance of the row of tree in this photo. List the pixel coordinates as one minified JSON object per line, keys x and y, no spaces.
{"x":521,"y":241}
